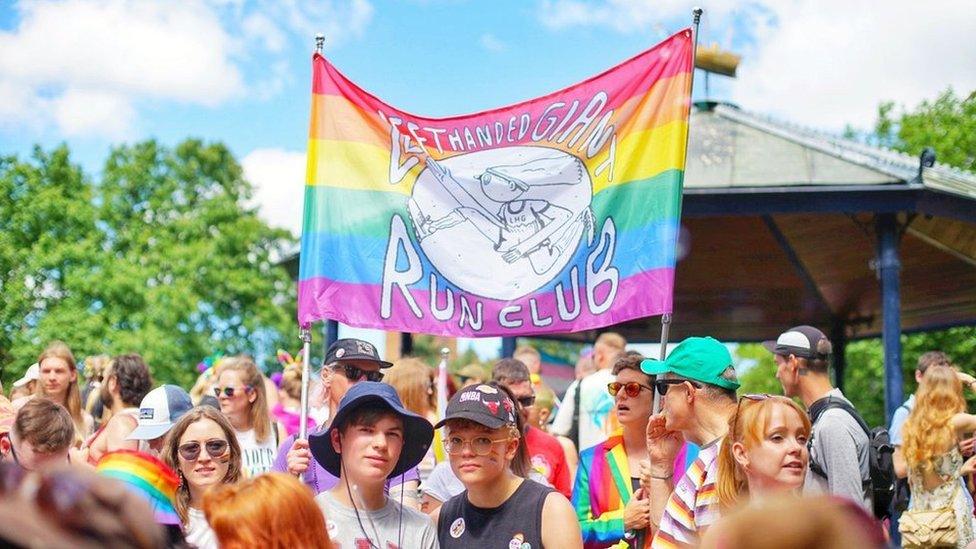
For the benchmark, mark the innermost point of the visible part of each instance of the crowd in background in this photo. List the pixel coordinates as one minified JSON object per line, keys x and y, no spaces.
{"x":101,"y":456}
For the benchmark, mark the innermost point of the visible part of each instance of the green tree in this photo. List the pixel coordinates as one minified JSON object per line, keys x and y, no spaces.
{"x":174,"y":265}
{"x":948,"y":124}
{"x":49,"y":246}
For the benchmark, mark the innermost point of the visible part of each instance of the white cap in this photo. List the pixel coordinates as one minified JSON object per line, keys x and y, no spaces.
{"x":159,"y":410}
{"x":32,"y":374}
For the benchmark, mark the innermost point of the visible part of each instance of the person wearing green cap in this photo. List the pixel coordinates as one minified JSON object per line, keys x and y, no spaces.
{"x":697,"y":384}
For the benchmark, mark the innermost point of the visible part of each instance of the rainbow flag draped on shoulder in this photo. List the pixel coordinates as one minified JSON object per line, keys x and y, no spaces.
{"x":556,"y":214}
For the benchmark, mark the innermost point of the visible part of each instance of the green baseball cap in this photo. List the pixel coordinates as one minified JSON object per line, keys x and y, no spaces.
{"x":698,"y":358}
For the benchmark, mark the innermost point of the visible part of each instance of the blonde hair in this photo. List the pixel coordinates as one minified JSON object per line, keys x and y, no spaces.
{"x":72,"y":400}
{"x":928,"y":432}
{"x":748,"y":427}
{"x":291,"y":381}
{"x":250,"y":375}
{"x":613,"y":340}
{"x":413,"y":382}
{"x":171,"y":450}
{"x":274,"y":510}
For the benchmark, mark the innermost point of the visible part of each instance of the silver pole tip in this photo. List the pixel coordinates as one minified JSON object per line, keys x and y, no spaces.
{"x":445,"y":351}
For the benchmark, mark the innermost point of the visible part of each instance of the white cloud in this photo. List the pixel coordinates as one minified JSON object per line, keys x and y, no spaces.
{"x":491,"y":43}
{"x":82,"y":112}
{"x":117,"y":52}
{"x":279,"y":179}
{"x":818,"y":68}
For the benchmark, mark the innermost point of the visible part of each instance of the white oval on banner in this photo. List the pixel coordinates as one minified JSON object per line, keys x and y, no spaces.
{"x":502,"y":223}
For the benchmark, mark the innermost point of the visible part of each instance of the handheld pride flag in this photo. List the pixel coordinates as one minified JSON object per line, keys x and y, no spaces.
{"x":557,"y":214}
{"x":147,"y":476}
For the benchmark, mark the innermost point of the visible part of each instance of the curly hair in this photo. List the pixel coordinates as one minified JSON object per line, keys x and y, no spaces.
{"x":928,"y":432}
{"x":132,"y":375}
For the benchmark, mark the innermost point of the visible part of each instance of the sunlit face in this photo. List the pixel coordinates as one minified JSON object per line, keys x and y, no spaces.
{"x":370,"y":452}
{"x":472,"y":469}
{"x":676,"y":405}
{"x":340,"y":383}
{"x":633,"y":411}
{"x":522,"y":390}
{"x":205,"y":470}
{"x":779,"y":461}
{"x":786,"y":373}
{"x":56,"y":377}
{"x":238,"y":404}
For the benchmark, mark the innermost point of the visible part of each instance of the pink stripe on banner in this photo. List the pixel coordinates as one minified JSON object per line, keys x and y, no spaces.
{"x":645,"y":294}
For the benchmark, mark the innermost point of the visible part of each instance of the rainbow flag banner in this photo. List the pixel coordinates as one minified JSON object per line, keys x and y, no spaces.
{"x":557,"y":214}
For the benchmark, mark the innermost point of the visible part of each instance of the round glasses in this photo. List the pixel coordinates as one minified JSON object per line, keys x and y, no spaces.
{"x":481,"y":446}
{"x":216,"y":447}
{"x":631,"y":389}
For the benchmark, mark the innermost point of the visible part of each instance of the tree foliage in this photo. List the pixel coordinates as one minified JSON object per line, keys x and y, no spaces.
{"x":948,"y":124}
{"x":160,"y":257}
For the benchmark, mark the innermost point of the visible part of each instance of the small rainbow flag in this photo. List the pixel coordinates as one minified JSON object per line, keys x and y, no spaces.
{"x":147,"y":476}
{"x":556,"y":214}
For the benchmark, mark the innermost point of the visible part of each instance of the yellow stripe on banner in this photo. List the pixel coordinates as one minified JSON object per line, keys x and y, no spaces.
{"x":642,"y":155}
{"x":351,"y":165}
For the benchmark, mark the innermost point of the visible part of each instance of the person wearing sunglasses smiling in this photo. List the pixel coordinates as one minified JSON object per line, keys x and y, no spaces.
{"x":244,"y":401}
{"x":610,"y":505}
{"x":347,"y":362}
{"x":697,"y":384}
{"x":203,"y":450}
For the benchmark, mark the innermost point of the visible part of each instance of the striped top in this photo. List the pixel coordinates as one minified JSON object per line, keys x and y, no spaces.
{"x":693,"y":505}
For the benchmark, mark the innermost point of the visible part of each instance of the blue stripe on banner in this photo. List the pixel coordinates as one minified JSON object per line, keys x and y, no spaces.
{"x":359,"y":260}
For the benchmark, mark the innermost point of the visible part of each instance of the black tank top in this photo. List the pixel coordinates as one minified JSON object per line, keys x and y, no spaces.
{"x":517,"y":523}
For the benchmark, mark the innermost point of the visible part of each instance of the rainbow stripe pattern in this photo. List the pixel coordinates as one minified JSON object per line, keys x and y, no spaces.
{"x":552,"y":215}
{"x":146,"y":475}
{"x":603,"y":488}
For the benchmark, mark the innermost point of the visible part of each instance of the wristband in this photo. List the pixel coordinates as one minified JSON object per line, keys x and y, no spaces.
{"x":668,"y":477}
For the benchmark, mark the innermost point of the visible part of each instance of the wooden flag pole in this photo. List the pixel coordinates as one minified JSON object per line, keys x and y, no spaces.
{"x":666,"y":319}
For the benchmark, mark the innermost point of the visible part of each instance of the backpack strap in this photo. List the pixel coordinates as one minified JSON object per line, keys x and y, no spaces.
{"x":816,"y":410}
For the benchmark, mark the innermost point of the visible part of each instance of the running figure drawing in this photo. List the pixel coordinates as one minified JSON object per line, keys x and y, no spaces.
{"x":518,"y":209}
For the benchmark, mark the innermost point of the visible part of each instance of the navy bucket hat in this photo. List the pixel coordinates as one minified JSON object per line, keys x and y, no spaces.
{"x":418,"y":433}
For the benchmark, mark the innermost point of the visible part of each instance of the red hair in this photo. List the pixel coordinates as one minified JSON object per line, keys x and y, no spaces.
{"x":273,"y":510}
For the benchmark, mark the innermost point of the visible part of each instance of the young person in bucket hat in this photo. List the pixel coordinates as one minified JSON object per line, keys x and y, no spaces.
{"x":498,"y":507}
{"x":372,"y":438}
{"x":697,"y":384}
{"x":347,"y":362}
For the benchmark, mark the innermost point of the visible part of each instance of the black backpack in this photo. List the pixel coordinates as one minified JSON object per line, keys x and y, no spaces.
{"x":880,"y":457}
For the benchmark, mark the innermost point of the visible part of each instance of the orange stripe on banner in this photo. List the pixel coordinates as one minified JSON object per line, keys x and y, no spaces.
{"x":337,"y":118}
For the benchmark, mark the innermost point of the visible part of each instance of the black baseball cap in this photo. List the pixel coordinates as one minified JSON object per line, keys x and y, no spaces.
{"x":418,"y":433}
{"x":354,"y":350}
{"x":800,"y":341}
{"x":483,"y":404}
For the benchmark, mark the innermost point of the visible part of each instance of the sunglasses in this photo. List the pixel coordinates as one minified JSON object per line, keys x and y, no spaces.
{"x":631,"y":389}
{"x":216,"y":447}
{"x":355,"y":374}
{"x":526,"y":401}
{"x":230,"y":391}
{"x":662,"y":385}
{"x":481,"y":446}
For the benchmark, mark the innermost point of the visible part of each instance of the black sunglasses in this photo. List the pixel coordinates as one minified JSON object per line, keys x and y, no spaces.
{"x":216,"y":447}
{"x":526,"y":401}
{"x":355,"y":374}
{"x":662,"y":385}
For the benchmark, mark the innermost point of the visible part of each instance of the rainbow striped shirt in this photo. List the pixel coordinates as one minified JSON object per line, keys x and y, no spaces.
{"x":693,"y":505}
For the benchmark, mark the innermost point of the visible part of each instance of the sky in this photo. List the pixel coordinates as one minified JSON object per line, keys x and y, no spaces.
{"x":98,"y":73}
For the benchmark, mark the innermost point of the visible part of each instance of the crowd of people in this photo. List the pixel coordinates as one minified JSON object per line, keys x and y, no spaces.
{"x":98,"y":456}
